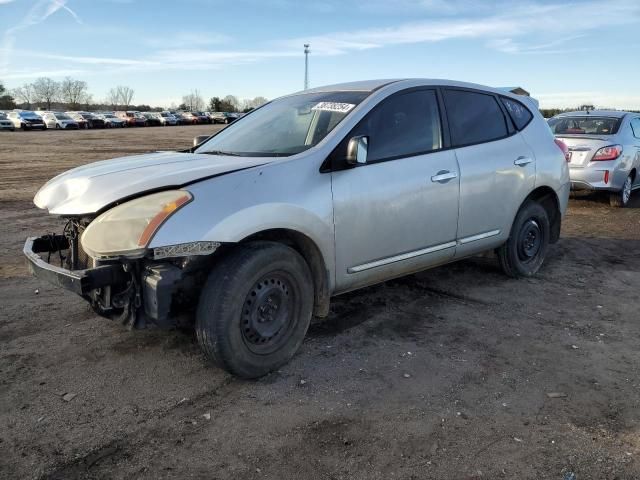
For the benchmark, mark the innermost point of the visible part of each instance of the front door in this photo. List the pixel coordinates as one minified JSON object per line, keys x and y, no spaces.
{"x":397,"y":213}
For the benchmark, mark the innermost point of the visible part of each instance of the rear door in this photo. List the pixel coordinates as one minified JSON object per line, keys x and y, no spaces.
{"x":398,"y":212}
{"x":497,"y":167}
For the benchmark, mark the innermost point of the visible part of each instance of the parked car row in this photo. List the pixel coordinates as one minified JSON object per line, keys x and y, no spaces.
{"x":31,"y":120}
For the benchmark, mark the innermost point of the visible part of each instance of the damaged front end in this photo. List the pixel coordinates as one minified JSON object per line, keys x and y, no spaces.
{"x":148,"y":290}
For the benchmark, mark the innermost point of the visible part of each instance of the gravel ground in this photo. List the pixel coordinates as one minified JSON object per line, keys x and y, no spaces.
{"x":454,"y":373}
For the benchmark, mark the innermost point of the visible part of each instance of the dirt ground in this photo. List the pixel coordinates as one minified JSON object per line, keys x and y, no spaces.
{"x":446,"y":374}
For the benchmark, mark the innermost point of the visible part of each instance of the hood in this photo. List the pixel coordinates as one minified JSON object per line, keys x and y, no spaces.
{"x":90,"y":188}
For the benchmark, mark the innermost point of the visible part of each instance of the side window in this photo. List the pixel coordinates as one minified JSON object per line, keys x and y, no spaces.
{"x":403,"y":125}
{"x":520,"y":115}
{"x":635,"y":127}
{"x":474,"y":117}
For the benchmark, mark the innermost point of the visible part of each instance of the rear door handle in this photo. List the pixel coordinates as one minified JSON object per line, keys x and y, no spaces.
{"x":444,"y":176}
{"x":522,"y":161}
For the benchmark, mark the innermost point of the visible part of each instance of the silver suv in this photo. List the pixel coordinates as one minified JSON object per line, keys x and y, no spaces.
{"x":311,"y":195}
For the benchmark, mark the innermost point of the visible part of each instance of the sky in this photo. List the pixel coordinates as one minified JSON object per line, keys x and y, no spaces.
{"x":566,"y":53}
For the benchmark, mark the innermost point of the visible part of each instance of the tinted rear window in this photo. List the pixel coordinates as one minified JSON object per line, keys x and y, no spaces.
{"x":474,"y":117}
{"x":520,"y":115}
{"x":587,"y":125}
{"x":635,"y":127}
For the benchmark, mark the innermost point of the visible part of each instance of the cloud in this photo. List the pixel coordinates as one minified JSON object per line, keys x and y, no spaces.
{"x":573,"y":99}
{"x":518,"y":21}
{"x":510,"y":32}
{"x":37,"y":14}
{"x":188,"y":39}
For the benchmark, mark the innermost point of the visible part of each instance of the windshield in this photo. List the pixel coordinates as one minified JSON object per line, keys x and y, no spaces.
{"x":286,"y":126}
{"x":62,"y":116}
{"x":29,"y":115}
{"x":587,"y":125}
{"x":87,"y":116}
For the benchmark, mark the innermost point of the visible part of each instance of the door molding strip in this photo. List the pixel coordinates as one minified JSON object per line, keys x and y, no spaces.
{"x":479,"y":236}
{"x":399,"y":258}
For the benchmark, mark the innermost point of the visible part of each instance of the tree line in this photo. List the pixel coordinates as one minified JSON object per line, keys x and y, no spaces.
{"x":72,"y":94}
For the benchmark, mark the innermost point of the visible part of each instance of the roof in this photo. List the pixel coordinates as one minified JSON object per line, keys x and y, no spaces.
{"x":361,"y":86}
{"x":372,"y":85}
{"x":596,"y":113}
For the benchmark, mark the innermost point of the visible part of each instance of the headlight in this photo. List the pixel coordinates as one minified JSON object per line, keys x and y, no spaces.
{"x":128,"y":228}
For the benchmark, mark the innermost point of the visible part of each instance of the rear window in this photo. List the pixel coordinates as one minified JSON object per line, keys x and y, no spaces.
{"x":520,"y":115}
{"x":474,"y":117}
{"x":587,"y":125}
{"x":635,"y":127}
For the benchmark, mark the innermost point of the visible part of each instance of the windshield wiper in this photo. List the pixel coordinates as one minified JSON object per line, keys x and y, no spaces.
{"x":222,"y":152}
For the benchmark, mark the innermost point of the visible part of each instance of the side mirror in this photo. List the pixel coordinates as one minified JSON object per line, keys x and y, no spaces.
{"x":200,"y":139}
{"x":357,"y":150}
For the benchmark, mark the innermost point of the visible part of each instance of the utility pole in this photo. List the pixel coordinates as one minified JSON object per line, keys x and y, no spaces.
{"x":306,"y":66}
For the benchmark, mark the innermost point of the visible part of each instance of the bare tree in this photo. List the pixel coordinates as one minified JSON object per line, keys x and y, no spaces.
{"x":24,"y":94}
{"x":250,"y":103}
{"x":46,"y":90}
{"x":113,"y":98}
{"x":233,"y":101}
{"x":193,"y":101}
{"x":74,"y":92}
{"x":124,"y":95}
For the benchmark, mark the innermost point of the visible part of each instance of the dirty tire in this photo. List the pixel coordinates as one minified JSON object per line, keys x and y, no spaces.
{"x":255,"y":309}
{"x":621,"y":199}
{"x":524,"y":252}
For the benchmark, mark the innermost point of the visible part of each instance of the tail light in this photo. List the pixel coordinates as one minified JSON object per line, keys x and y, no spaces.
{"x":608,"y":153}
{"x":565,"y":150}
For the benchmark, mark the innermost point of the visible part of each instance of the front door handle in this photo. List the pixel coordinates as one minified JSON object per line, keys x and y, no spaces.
{"x":444,"y":176}
{"x":522,"y":161}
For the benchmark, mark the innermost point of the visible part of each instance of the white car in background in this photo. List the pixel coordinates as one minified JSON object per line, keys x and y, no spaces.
{"x":167,"y":119}
{"x":59,"y":120}
{"x":26,"y":119}
{"x":110,"y":120}
{"x":5,"y":123}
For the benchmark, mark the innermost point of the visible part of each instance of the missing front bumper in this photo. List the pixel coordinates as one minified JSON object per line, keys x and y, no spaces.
{"x":134,"y":293}
{"x":83,"y":282}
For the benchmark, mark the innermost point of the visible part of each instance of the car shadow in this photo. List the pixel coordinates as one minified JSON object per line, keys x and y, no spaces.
{"x":602,"y":198}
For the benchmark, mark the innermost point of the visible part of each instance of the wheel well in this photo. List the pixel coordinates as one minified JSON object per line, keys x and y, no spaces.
{"x":547,"y":197}
{"x":311,"y":254}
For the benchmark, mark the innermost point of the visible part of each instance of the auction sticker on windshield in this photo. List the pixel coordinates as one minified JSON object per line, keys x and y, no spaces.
{"x":333,"y":107}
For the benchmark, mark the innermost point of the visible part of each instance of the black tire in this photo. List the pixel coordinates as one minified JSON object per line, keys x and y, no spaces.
{"x":524,"y":252}
{"x":621,"y":199}
{"x":57,"y":126}
{"x":255,"y":309}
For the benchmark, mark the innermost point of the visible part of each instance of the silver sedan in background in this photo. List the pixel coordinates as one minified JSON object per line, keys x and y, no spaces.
{"x":604,"y":149}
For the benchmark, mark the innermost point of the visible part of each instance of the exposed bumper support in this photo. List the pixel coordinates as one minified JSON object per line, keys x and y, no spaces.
{"x":81,"y":282}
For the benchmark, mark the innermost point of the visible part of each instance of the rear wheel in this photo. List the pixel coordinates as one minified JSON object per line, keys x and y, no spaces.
{"x":524,"y":252}
{"x":57,"y":126}
{"x":621,"y":198}
{"x":255,"y":309}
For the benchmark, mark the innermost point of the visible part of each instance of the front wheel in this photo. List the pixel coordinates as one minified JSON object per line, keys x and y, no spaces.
{"x":524,"y":252}
{"x":255,"y":309}
{"x":621,"y":198}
